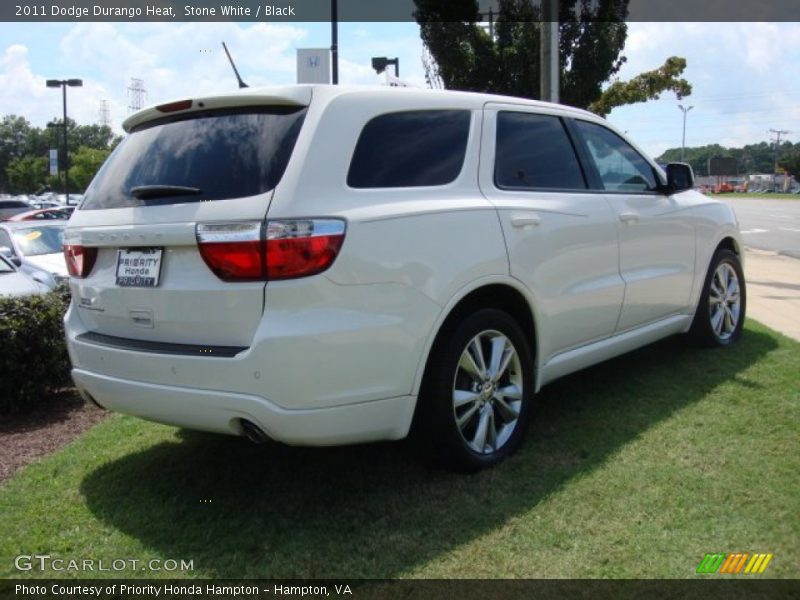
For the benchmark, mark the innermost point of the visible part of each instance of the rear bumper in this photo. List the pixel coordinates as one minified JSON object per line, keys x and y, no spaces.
{"x":222,"y":412}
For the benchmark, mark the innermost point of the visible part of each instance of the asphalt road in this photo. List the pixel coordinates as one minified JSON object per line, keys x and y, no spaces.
{"x":769,"y":224}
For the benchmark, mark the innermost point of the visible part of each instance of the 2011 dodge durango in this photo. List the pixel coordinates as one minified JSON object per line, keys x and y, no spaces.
{"x":327,"y":265}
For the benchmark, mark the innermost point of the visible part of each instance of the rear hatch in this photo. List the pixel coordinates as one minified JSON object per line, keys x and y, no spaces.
{"x":185,"y":168}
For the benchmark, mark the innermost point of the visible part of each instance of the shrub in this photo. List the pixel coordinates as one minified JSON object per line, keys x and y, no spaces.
{"x":33,"y":353}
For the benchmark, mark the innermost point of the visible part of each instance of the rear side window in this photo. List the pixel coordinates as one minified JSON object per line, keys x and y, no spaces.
{"x":534,"y":152}
{"x":223,"y":154}
{"x":410,"y":149}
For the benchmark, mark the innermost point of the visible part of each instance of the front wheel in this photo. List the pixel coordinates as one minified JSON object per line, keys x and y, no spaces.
{"x":721,"y":310}
{"x":475,"y":399}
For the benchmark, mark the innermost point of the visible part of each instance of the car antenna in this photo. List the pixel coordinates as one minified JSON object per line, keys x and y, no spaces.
{"x":242,"y":84}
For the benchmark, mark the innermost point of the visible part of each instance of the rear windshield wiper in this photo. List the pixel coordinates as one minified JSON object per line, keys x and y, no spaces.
{"x":162,"y":191}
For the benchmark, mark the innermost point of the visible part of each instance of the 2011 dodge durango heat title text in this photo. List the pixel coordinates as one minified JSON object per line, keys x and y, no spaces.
{"x":328,"y":265}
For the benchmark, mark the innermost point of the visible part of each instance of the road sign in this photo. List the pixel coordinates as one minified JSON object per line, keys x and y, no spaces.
{"x":53,"y":161}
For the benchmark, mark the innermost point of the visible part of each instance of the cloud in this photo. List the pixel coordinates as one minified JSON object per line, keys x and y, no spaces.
{"x":18,"y":84}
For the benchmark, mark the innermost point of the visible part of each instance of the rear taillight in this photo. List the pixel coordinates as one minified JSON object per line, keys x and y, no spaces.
{"x":80,"y":259}
{"x":281,"y":249}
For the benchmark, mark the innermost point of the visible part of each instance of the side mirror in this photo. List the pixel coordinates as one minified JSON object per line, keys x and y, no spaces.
{"x":680,"y":177}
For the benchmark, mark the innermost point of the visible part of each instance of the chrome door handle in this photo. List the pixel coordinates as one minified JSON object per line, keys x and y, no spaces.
{"x":526,"y":221}
{"x":629,"y":217}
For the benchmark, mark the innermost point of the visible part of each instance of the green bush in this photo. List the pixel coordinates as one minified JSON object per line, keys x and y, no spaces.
{"x":33,"y":354}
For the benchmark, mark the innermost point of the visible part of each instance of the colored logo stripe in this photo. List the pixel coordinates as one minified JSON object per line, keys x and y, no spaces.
{"x":758,"y":563}
{"x":734,"y":563}
{"x":710,"y":563}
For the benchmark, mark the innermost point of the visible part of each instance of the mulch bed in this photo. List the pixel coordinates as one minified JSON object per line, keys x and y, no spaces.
{"x":24,"y":438}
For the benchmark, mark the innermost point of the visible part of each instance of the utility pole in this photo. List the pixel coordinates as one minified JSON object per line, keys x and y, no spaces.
{"x":334,"y":42}
{"x":683,"y":139}
{"x":548,"y":61}
{"x":778,"y":133}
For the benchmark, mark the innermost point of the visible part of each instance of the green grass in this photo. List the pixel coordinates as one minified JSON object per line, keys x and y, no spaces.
{"x":634,"y":468}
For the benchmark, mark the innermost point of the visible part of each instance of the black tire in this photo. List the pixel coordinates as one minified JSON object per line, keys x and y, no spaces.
{"x":715,"y":303}
{"x":494,"y":409}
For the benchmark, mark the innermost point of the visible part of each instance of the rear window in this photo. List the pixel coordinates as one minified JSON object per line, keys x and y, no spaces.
{"x":410,"y":149}
{"x":34,"y":241}
{"x":223,"y":154}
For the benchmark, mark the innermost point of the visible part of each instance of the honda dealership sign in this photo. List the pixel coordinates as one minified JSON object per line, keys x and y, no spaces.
{"x":313,"y":65}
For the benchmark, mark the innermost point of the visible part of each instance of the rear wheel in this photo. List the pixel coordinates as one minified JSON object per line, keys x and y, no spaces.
{"x":475,"y":399}
{"x":721,"y":310}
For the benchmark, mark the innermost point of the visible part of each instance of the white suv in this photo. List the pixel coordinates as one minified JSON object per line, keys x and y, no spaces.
{"x":326,"y":265}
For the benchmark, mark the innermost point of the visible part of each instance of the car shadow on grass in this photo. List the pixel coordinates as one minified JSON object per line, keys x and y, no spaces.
{"x":244,"y":511}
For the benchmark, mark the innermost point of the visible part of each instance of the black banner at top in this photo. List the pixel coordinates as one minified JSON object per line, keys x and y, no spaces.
{"x":368,"y":10}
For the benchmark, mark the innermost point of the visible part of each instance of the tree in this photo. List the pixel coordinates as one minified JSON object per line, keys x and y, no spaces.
{"x":85,"y":163}
{"x":14,"y":137}
{"x":592,"y":34}
{"x":790,"y":160}
{"x":26,"y":173}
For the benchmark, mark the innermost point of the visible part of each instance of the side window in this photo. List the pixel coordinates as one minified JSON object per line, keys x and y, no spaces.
{"x":410,"y":149}
{"x":621,"y":168}
{"x":5,"y":240}
{"x":533,"y":151}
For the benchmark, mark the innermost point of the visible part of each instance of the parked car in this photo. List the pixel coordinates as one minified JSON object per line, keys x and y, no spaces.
{"x":9,"y":208}
{"x":38,"y":246}
{"x":14,"y":282}
{"x":43,"y":214}
{"x":327,"y":265}
{"x":38,"y":204}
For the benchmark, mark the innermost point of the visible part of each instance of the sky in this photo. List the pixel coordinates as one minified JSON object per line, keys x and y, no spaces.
{"x":746,"y":76}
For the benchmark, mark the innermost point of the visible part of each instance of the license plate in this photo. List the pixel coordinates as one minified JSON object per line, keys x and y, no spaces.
{"x":138,"y":267}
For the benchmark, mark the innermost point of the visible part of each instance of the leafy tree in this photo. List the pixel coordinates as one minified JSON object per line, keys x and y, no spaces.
{"x":14,"y":137}
{"x":18,"y":138}
{"x":752,"y":158}
{"x":26,"y":173}
{"x":85,"y":163}
{"x":790,"y":160}
{"x":466,"y":56}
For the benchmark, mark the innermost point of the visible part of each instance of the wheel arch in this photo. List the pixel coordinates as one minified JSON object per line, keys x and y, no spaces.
{"x":507,"y":295}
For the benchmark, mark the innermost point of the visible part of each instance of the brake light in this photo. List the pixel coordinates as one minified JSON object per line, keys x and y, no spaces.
{"x":174,"y":106}
{"x":80,"y":259}
{"x":284,"y":249}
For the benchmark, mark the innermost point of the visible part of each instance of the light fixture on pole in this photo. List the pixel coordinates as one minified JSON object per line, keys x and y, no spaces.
{"x":379,"y":63}
{"x":63,"y":84}
{"x":683,"y":139}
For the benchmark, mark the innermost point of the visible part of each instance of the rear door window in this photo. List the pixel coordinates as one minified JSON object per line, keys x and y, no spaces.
{"x":534,"y":152}
{"x":213,"y":155}
{"x":410,"y":149}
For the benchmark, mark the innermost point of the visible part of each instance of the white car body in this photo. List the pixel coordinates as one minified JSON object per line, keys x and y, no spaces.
{"x":339,"y":357}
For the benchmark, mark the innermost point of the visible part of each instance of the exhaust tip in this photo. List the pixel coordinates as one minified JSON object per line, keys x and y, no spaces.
{"x":254,"y":433}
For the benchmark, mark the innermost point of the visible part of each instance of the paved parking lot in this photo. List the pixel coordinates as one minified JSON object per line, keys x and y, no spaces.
{"x":769,"y":224}
{"x":773,"y":290}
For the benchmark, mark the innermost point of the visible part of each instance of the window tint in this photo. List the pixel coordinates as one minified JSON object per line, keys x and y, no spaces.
{"x":225,"y":154}
{"x":621,"y":168}
{"x":410,"y":149}
{"x":533,"y":151}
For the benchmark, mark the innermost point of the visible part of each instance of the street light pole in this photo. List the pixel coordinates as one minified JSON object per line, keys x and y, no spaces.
{"x":63,"y":83}
{"x":334,"y":42}
{"x":683,"y":139}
